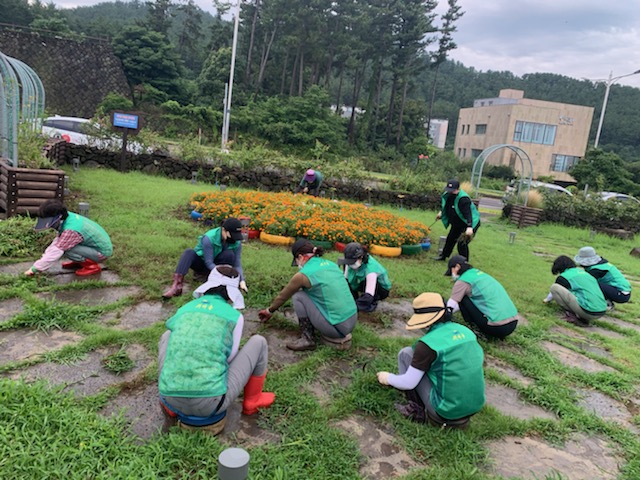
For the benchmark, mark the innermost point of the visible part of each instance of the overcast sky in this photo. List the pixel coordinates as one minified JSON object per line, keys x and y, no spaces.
{"x":577,"y":38}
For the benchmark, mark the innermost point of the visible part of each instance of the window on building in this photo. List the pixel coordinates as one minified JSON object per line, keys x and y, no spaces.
{"x":562,"y":163}
{"x":464,"y":153}
{"x":481,"y":128}
{"x":459,"y":151}
{"x":475,"y":153}
{"x":529,"y":132}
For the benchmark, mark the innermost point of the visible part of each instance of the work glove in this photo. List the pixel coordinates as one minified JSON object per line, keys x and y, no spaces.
{"x":439,"y":216}
{"x":383,"y":378}
{"x":469,"y":232}
{"x":366,"y":303}
{"x":264,"y":315}
{"x":243,"y":286}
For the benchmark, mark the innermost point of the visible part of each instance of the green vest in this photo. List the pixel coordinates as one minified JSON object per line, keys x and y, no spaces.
{"x":201,"y":339}
{"x":456,"y":374}
{"x":329,"y":290}
{"x":215,"y":237}
{"x":613,"y":276}
{"x":475,"y":216}
{"x":586,"y":290}
{"x":489,"y":296}
{"x":356,"y":277}
{"x":93,"y":235}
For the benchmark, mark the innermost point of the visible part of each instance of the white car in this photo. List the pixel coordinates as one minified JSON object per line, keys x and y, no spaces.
{"x":83,"y":131}
{"x":535,"y":185}
{"x":618,"y":197}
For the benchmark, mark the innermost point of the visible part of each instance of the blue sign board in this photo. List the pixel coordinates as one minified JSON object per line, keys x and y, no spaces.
{"x":125,"y":120}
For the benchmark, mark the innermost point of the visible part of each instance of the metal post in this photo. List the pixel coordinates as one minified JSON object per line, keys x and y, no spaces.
{"x":194,"y":177}
{"x":512,"y":237}
{"x":75,"y":162}
{"x":443,"y":240}
{"x":83,"y":209}
{"x":227,"y":113}
{"x":233,"y":464}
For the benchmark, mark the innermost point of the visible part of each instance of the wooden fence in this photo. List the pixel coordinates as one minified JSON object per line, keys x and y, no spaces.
{"x":23,"y":190}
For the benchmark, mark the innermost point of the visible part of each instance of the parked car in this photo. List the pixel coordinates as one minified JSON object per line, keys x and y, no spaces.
{"x":618,"y":197}
{"x":510,"y":190}
{"x":83,"y":131}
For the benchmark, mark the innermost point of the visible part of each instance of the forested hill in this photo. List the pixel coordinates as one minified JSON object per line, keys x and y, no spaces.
{"x":381,"y":56}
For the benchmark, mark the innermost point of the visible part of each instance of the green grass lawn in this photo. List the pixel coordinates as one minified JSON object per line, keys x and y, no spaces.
{"x":47,"y":434}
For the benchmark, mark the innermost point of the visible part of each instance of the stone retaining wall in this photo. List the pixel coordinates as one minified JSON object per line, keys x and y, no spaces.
{"x":264,"y":178}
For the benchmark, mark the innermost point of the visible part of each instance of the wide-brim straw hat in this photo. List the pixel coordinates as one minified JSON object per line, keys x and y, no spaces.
{"x":428,"y":308}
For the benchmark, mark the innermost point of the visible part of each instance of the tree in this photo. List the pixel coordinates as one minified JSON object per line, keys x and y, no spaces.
{"x":601,"y":171}
{"x":17,"y":12}
{"x":159,"y":16}
{"x":148,"y":58}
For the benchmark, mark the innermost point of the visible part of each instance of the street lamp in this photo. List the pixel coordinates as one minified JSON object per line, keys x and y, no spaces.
{"x":608,"y":82}
{"x":226,"y":114}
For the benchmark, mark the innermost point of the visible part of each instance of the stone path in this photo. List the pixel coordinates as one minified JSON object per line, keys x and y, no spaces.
{"x":582,"y":457}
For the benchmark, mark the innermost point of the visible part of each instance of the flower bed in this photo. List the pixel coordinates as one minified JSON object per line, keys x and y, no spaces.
{"x":310,"y":217}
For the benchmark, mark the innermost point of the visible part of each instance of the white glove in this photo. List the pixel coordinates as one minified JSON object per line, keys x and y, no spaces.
{"x":243,"y":286}
{"x":548,"y":298}
{"x":469,"y":232}
{"x":439,"y":216}
{"x":383,"y":378}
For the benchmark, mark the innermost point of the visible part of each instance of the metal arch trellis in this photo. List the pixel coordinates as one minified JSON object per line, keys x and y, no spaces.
{"x":525,"y":164}
{"x":22,"y":100}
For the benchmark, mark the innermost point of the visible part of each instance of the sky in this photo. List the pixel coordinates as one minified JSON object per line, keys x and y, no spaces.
{"x":578,"y":38}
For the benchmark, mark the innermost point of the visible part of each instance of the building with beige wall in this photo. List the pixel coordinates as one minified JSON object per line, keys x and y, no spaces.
{"x":554,"y":135}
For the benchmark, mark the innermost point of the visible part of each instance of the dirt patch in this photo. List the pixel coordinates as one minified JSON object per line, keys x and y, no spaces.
{"x":605,"y":332}
{"x":95,"y":296}
{"x":383,"y":458}
{"x":581,"y":458}
{"x":507,"y":370}
{"x":87,"y":376}
{"x":330,"y":377}
{"x":10,"y":308}
{"x":522,"y":321}
{"x":26,"y":344}
{"x":139,"y":316}
{"x":572,"y":359}
{"x":245,"y":430}
{"x":508,"y":402}
{"x":580,"y":341}
{"x":606,"y":408}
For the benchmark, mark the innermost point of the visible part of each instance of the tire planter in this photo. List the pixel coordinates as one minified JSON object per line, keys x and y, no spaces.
{"x":322,"y":243}
{"x":385,"y":251}
{"x":276,"y":239}
{"x":411,"y":249}
{"x":253,"y":234}
{"x":339,"y":246}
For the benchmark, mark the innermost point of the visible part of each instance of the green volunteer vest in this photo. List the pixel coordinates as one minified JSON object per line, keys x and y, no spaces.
{"x":613,"y":276}
{"x":329,"y":290}
{"x":489,"y":296}
{"x":93,"y":235}
{"x":317,"y":181}
{"x":586,"y":290}
{"x":456,"y":374}
{"x":475,"y":216}
{"x":215,"y":237}
{"x":356,"y":277}
{"x":201,"y":339}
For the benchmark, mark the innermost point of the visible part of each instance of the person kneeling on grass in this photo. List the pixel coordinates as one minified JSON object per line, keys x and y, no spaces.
{"x":202,"y":369}
{"x":577,"y":292}
{"x":82,"y":241}
{"x":615,"y":287}
{"x":321,"y":300}
{"x":481,"y":299}
{"x":442,"y":373}
{"x":367,"y":278}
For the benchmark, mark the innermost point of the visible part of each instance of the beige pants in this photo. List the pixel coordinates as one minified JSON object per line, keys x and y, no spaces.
{"x":568,"y":301}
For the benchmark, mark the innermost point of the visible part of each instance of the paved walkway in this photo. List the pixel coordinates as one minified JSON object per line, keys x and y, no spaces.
{"x":583,"y":457}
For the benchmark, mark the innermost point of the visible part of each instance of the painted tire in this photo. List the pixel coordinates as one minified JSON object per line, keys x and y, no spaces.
{"x":411,"y":249}
{"x":322,"y":243}
{"x":339,"y":246}
{"x":385,"y":251}
{"x":276,"y":239}
{"x":253,"y":234}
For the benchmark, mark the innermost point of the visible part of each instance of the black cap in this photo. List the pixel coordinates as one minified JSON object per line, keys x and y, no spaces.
{"x":453,"y":261}
{"x":234,"y":227}
{"x":352,"y":252}
{"x":300,"y":244}
{"x":452,"y":185}
{"x":47,"y":222}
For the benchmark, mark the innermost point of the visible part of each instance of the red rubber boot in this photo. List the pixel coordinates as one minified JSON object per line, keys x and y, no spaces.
{"x":89,"y":267}
{"x":71,"y":265}
{"x":254,"y":397}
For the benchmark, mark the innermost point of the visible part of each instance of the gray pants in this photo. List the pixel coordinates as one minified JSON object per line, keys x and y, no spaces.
{"x":250,"y":360}
{"x":305,"y":308}
{"x":405,"y":356}
{"x":80,"y":253}
{"x":568,"y":301}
